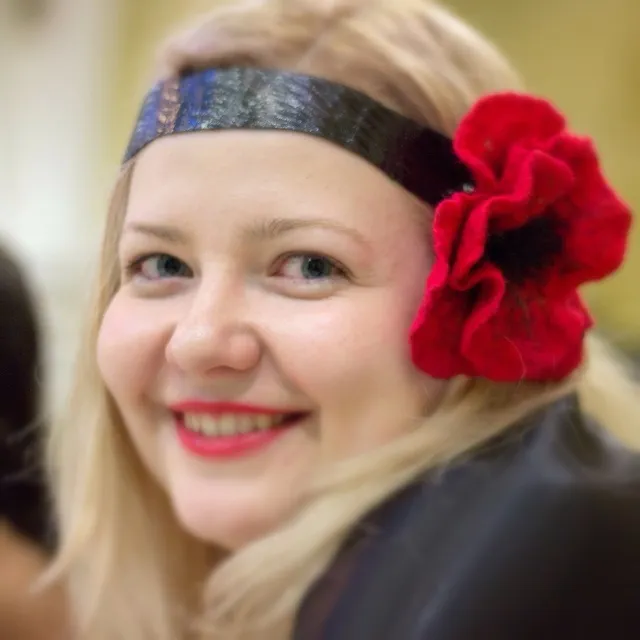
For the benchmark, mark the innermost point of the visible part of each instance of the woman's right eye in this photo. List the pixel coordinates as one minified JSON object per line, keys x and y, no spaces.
{"x":158,"y":266}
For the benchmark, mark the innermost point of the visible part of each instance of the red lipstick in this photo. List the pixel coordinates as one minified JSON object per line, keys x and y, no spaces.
{"x":229,"y":445}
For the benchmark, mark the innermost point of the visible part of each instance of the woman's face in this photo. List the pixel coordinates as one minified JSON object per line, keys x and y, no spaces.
{"x":260,"y":332}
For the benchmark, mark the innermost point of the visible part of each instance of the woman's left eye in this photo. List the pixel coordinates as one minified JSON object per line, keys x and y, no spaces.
{"x":310,"y":267}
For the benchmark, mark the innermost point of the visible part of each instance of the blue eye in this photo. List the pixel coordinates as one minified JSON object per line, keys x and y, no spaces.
{"x":158,"y":266}
{"x":309,"y":267}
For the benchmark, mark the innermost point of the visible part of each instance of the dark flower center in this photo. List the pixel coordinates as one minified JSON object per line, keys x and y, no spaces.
{"x":526,"y":252}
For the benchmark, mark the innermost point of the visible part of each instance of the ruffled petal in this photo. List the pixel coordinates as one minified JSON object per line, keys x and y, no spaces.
{"x":597,"y":222}
{"x":488,"y":132}
{"x":528,"y":339}
{"x":435,"y":335}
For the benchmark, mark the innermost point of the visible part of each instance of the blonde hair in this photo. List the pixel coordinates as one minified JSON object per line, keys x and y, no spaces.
{"x":132,"y":571}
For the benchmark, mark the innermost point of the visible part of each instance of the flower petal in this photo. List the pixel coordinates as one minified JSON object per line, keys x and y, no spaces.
{"x":597,"y":221}
{"x":436,"y":332}
{"x":526,"y":339}
{"x":539,"y":182}
{"x":449,"y":218}
{"x":471,"y":245}
{"x":487,"y":133}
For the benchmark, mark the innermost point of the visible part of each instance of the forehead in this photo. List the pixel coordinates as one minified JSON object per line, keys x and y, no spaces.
{"x":228,"y":177}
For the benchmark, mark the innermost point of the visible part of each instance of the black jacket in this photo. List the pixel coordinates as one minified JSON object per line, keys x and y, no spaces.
{"x":537,"y":536}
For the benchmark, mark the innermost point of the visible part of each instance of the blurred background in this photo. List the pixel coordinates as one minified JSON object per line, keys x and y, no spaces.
{"x":73,"y":72}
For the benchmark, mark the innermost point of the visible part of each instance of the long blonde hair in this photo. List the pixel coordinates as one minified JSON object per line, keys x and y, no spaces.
{"x":133,"y":573}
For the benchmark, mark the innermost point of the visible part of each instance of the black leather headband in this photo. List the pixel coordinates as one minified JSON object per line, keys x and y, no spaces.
{"x":420,"y":159}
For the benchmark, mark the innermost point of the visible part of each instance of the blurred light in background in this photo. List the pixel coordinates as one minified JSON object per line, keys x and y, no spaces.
{"x":54,"y":73}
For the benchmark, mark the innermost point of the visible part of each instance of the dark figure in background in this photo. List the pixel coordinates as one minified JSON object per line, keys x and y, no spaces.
{"x":23,"y":496}
{"x":26,"y":534}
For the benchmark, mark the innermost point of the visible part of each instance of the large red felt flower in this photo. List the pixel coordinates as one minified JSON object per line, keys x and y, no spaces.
{"x":501,"y":301}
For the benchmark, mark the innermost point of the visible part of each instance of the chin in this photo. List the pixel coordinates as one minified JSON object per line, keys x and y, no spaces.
{"x":229,"y":536}
{"x":224,"y":515}
{"x":231,"y":533}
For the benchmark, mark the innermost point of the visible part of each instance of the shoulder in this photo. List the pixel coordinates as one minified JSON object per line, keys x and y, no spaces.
{"x":534,"y":536}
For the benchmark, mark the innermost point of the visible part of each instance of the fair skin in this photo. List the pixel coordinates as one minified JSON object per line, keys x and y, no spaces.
{"x":271,"y":269}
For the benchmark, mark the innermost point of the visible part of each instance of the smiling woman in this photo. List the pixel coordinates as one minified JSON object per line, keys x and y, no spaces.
{"x":338,"y":359}
{"x":222,"y":291}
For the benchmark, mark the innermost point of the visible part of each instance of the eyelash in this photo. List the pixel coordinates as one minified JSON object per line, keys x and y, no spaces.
{"x":338,"y":267}
{"x":133,"y":268}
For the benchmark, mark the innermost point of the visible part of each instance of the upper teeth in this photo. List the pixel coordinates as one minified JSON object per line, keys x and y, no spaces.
{"x":230,"y":424}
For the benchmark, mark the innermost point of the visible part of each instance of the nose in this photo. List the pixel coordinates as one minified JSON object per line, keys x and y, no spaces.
{"x":213,"y":334}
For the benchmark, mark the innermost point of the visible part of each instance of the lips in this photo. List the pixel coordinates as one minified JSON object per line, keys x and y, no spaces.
{"x":222,"y":430}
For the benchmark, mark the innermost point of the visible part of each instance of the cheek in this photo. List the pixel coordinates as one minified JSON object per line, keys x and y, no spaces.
{"x":341,"y":349}
{"x":130,"y":348}
{"x":351,"y":356}
{"x":362,"y":334}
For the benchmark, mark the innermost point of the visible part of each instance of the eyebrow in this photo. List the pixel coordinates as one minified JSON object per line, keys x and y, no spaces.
{"x":168,"y":234}
{"x":270,"y":229}
{"x":276,"y":227}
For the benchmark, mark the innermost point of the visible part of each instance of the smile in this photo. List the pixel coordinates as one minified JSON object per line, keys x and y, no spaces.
{"x":232,"y":424}
{"x":225,"y":430}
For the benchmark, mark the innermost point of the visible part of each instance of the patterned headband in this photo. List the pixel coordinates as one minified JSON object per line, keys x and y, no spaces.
{"x":523,"y":215}
{"x":418,"y":158}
